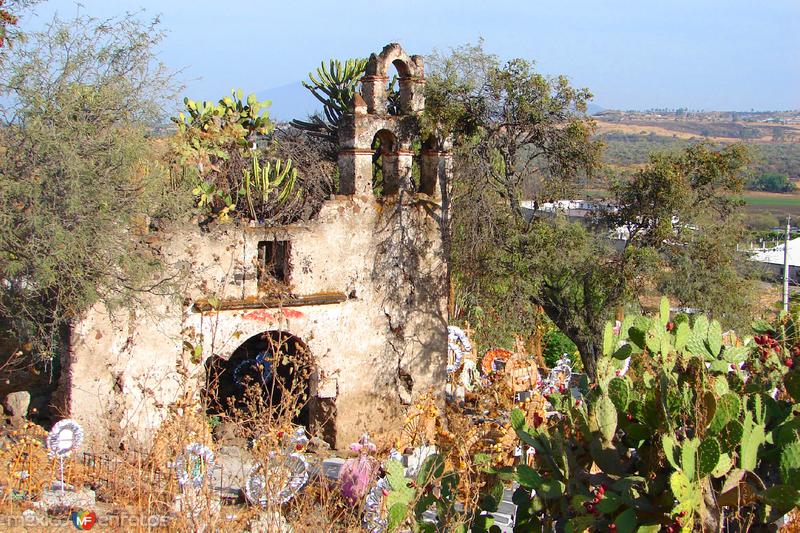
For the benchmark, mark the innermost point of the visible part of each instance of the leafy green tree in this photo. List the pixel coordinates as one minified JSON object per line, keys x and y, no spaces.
{"x":516,"y":133}
{"x":771,"y":183}
{"x":556,"y":344}
{"x":528,"y":132}
{"x":520,"y":135}
{"x":684,"y":208}
{"x":78,"y":172}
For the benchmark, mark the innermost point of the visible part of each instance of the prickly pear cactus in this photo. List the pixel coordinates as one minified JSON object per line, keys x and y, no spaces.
{"x":731,"y":436}
{"x":707,"y":403}
{"x":792,"y":383}
{"x":727,"y":409}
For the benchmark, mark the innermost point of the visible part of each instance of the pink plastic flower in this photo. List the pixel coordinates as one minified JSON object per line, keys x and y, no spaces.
{"x":357,"y":476}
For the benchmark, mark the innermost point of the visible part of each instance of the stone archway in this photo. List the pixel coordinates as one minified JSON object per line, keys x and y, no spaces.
{"x":271,"y":371}
{"x":385,"y":179}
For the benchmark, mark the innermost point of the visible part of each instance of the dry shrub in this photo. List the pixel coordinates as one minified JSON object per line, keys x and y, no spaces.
{"x":25,"y":467}
{"x":133,"y":486}
{"x":187,"y":423}
{"x":793,"y":523}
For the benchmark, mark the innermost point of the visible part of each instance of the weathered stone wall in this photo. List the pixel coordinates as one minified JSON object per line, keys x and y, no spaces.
{"x":124,"y":369}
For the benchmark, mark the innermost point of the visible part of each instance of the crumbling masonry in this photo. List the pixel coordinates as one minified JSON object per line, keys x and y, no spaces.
{"x":368,"y":292}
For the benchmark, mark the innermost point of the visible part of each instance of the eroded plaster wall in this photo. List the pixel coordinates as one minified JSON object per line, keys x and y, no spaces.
{"x":384,"y":258}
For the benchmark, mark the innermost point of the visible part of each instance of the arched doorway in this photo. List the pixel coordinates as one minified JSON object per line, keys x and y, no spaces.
{"x":269,"y":373}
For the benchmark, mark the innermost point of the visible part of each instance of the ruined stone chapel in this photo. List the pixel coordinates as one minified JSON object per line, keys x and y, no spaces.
{"x":367,"y":298}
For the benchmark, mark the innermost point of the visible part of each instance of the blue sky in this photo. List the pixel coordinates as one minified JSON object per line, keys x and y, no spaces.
{"x":700,"y":54}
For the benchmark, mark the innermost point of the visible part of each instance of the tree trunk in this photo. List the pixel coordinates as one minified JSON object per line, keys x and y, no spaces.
{"x":586,"y":343}
{"x":588,"y":351}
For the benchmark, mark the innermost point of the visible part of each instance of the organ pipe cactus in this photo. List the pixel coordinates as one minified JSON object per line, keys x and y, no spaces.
{"x":265,"y":183}
{"x":334,"y":85}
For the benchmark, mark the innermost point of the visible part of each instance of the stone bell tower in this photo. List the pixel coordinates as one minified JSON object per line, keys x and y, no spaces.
{"x":370,"y":118}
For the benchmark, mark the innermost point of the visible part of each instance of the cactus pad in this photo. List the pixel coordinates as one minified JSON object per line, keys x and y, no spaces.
{"x":619,"y":392}
{"x":689,"y":458}
{"x":606,"y":416}
{"x":708,"y":454}
{"x":684,"y":490}
{"x":714,"y":338}
{"x":731,"y":435}
{"x":792,"y":383}
{"x":669,"y":450}
{"x":728,"y":407}
{"x":723,"y":466}
{"x":790,"y":464}
{"x":682,"y":334}
{"x":781,"y":497}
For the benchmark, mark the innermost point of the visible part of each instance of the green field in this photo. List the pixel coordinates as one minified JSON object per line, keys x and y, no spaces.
{"x":791,"y":201}
{"x":762,"y":209}
{"x":776,"y":204}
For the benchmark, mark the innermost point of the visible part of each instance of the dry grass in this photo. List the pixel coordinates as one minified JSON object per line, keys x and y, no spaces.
{"x":140,"y":491}
{"x":673,"y":129}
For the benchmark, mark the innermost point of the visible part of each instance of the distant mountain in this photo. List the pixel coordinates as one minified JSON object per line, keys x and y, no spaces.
{"x":289,"y":101}
{"x":295,"y":101}
{"x":593,"y":109}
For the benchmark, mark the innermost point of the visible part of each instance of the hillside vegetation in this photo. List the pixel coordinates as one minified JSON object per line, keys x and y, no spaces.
{"x":772,"y":140}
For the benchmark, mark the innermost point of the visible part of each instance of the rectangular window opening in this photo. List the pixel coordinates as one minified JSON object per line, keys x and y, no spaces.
{"x":273,"y":261}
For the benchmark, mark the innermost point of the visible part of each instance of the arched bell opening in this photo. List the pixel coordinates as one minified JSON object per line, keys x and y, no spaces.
{"x":408,"y":89}
{"x":395,"y":99}
{"x":433,"y":167}
{"x":384,"y":163}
